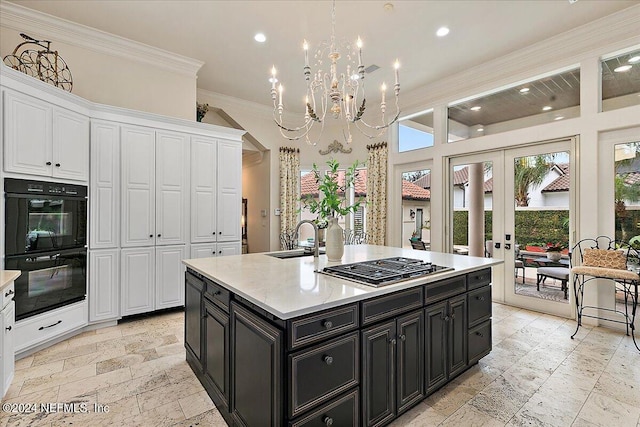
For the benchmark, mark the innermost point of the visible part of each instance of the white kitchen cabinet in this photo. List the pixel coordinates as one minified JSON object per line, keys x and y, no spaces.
{"x":169,"y":276}
{"x":104,"y":285}
{"x":44,"y":139}
{"x":172,"y":206}
{"x":216,"y":190}
{"x":154,"y":186}
{"x":8,"y":357}
{"x":137,"y":280}
{"x":104,"y":191}
{"x":206,"y":250}
{"x":138,"y":186}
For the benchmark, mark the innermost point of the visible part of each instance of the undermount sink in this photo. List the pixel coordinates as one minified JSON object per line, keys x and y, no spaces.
{"x":295,"y":253}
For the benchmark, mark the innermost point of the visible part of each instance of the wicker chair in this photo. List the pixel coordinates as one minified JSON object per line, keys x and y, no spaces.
{"x":418,"y":245}
{"x":606,"y":259}
{"x":355,"y":237}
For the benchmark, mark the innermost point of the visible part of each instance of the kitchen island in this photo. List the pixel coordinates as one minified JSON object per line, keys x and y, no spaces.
{"x":276,"y":343}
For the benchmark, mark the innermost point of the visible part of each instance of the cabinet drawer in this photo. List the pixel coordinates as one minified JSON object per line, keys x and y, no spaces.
{"x":479,"y":305}
{"x":479,"y":341}
{"x":310,"y":329}
{"x":340,"y":412}
{"x":43,"y":327}
{"x":7,"y":294}
{"x":479,"y":278}
{"x":217,"y":294}
{"x":441,"y":289}
{"x":323,"y":372}
{"x":390,"y":305}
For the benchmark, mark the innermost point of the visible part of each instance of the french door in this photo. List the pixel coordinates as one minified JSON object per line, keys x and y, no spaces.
{"x":511,"y":204}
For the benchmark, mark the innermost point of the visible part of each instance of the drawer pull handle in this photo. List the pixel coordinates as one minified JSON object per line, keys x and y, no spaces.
{"x":480,"y":334}
{"x":327,"y":359}
{"x":48,"y":163}
{"x":328,"y":421}
{"x":446,"y":318}
{"x":57,"y":165}
{"x":50,"y":326}
{"x":480,"y":298}
{"x":9,"y":293}
{"x":8,"y":328}
{"x":403,"y":337}
{"x":453,"y":316}
{"x":392,"y":341}
{"x":217,"y":292}
{"x":150,"y":235}
{"x":219,"y":232}
{"x":327,"y":324}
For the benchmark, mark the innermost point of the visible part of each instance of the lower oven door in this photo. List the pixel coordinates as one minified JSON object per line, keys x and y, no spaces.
{"x":49,"y":280}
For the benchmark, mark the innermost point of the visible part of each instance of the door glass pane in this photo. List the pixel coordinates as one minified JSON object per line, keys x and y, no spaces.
{"x":541,"y":203}
{"x":621,"y":81}
{"x":627,"y":200}
{"x":416,"y":209}
{"x":308,"y":187}
{"x":472,"y":195}
{"x":416,"y":132}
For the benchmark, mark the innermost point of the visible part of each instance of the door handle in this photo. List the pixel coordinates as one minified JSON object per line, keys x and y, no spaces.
{"x":496,"y":245}
{"x":507,"y":246}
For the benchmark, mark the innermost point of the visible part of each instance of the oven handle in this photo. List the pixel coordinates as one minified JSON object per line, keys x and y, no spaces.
{"x":43,"y":258}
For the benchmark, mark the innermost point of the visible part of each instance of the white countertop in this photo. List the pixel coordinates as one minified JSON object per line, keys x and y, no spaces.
{"x":289,"y":288}
{"x":8,"y":276}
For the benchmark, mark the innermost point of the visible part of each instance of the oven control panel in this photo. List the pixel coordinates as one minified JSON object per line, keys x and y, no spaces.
{"x":23,"y":186}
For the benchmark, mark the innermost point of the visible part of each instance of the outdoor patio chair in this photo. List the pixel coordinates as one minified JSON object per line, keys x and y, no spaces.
{"x":605,"y":259}
{"x":418,"y":245}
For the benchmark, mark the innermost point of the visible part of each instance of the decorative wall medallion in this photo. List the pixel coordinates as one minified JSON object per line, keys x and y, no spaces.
{"x":335,"y":147}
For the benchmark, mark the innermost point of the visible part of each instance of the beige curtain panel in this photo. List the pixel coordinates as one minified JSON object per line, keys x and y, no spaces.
{"x":289,"y":188}
{"x":377,"y":193}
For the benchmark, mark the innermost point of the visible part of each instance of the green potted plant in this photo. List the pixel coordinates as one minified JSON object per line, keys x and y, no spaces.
{"x":333,"y":204}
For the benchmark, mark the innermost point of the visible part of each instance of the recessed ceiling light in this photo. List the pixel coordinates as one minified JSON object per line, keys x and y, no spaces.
{"x":524,"y":90}
{"x":634,"y":60}
{"x":260,"y":38}
{"x":480,"y":130}
{"x":442,"y":31}
{"x":476,"y":108}
{"x":622,"y":68}
{"x":546,"y":108}
{"x":559,"y":118}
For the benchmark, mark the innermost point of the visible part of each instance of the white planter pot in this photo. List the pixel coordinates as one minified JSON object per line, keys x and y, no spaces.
{"x":554,"y":256}
{"x":334,"y":245}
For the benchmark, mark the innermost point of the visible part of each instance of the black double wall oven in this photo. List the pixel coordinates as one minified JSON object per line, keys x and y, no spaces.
{"x":46,"y":238}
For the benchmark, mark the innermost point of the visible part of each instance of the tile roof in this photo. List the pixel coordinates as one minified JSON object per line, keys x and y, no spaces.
{"x":410,"y":191}
{"x":562,"y":182}
{"x":460,"y":177}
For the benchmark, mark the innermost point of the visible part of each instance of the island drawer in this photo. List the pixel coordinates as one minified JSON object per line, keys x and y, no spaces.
{"x":479,"y":278}
{"x":391,"y":305}
{"x":343,"y":411}
{"x":310,"y":329}
{"x":323,"y":372}
{"x":479,"y":305}
{"x":479,"y":342}
{"x":446,"y":288}
{"x":7,"y":294}
{"x":217,"y":294}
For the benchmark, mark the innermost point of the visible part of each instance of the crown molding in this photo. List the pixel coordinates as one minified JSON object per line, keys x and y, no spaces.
{"x":601,"y":37}
{"x":40,"y":24}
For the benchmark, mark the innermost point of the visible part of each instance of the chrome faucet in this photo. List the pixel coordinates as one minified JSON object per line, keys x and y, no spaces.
{"x":316,"y":243}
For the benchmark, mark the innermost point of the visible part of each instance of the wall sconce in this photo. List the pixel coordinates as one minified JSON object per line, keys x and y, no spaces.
{"x":412,"y":213}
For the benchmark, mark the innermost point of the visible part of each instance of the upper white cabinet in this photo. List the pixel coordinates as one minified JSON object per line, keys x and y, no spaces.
{"x":154,"y":181}
{"x":216,"y":183}
{"x":44,"y":139}
{"x":104,"y":192}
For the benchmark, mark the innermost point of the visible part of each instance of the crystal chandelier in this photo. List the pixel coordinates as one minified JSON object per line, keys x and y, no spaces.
{"x":340,"y":94}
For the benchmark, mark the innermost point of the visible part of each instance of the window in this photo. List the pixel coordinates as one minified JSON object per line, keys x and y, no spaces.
{"x":621,"y":81}
{"x":416,"y":131}
{"x":544,"y":100}
{"x":627,"y":192}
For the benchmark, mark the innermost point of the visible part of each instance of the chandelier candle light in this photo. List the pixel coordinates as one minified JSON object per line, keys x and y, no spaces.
{"x":338,"y":93}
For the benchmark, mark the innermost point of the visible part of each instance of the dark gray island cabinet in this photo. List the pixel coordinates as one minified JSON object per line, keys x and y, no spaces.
{"x":361,"y":363}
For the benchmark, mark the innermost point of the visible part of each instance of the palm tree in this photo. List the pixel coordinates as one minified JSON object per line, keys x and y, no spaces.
{"x":624,"y":192}
{"x":529,"y":173}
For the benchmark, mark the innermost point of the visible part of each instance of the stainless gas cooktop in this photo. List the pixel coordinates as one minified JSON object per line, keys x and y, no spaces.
{"x":385,"y":271}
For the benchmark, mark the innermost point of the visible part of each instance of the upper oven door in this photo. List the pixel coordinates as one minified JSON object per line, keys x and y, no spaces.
{"x":38,"y":223}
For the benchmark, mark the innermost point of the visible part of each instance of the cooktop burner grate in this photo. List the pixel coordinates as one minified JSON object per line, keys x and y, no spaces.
{"x":384,"y":271}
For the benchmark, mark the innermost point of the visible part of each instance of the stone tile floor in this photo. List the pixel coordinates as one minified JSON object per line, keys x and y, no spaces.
{"x":535,"y":376}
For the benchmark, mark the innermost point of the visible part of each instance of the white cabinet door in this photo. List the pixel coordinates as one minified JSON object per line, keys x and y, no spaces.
{"x":229,"y":198}
{"x":104,"y":285}
{"x":203,"y":189}
{"x":8,"y":357}
{"x":169,"y":276}
{"x":70,"y":145}
{"x":203,"y":250}
{"x":172,"y":165}
{"x":137,"y":280}
{"x":233,"y":248}
{"x":28,"y":136}
{"x":104,"y":197}
{"x":138,"y":186}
